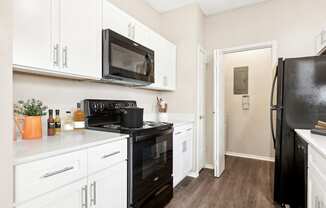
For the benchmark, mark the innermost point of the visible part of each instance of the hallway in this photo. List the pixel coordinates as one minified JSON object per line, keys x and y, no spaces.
{"x":245,"y":183}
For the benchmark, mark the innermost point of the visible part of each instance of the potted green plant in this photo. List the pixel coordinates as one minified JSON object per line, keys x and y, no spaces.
{"x":31,"y":113}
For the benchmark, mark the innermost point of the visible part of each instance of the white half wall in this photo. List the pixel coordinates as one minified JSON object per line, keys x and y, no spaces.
{"x":6,"y":115}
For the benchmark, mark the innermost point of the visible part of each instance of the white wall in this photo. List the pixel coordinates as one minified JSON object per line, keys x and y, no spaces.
{"x":184,"y":27}
{"x":63,"y":93}
{"x":292,"y":23}
{"x":6,"y":119}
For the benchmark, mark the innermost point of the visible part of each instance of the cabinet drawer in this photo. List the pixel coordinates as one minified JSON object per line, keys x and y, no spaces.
{"x":39,"y":177}
{"x":183,"y":129}
{"x":104,"y":156}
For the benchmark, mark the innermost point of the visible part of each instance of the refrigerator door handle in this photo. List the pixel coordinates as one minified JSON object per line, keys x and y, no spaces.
{"x":273,"y":108}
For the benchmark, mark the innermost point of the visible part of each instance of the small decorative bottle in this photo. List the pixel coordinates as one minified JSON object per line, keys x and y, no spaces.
{"x":68,"y":124}
{"x":51,"y":124}
{"x":57,"y":122}
{"x":79,"y":118}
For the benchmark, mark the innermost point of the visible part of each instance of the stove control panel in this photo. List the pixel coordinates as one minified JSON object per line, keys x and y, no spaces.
{"x":98,"y":107}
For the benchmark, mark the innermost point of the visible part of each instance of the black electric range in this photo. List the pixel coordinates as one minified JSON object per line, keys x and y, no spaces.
{"x":150,"y":158}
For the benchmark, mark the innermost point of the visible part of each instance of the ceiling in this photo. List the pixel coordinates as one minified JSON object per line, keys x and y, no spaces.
{"x":209,"y":7}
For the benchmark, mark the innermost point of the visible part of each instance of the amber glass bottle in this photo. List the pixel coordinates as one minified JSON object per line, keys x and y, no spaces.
{"x":79,"y":118}
{"x":51,"y":124}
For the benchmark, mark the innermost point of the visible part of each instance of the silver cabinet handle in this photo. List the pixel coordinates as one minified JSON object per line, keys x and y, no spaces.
{"x":56,"y":55}
{"x":133,"y":32}
{"x":93,"y":194}
{"x":111,"y":154}
{"x":178,"y":133}
{"x":323,"y":36}
{"x":189,"y":129}
{"x":47,"y":175}
{"x":129,"y":30}
{"x":165,"y":81}
{"x":84,"y":197}
{"x":65,"y":57}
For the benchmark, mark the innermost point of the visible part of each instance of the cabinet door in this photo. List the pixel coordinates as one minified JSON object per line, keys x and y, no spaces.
{"x":187,"y":151}
{"x":33,"y":40}
{"x":108,"y":188}
{"x":178,"y":157}
{"x":81,"y":37}
{"x":70,"y":196}
{"x":169,"y":65}
{"x":316,"y":191}
{"x":141,"y":34}
{"x":116,"y":20}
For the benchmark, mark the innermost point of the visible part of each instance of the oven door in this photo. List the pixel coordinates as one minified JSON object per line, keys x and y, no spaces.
{"x":124,"y":59}
{"x":152,"y":163}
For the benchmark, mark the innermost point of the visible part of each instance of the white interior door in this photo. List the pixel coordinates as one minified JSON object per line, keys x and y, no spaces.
{"x":219,"y":121}
{"x":201,"y":108}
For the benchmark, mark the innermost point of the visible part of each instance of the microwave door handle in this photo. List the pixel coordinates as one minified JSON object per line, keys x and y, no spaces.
{"x":149,"y":62}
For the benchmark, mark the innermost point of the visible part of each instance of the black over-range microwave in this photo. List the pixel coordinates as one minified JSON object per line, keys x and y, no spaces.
{"x":125,"y":61}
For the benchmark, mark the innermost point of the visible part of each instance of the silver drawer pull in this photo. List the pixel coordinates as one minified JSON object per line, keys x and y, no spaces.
{"x":110,"y":155}
{"x":57,"y":172}
{"x":178,"y":133}
{"x":189,"y":129}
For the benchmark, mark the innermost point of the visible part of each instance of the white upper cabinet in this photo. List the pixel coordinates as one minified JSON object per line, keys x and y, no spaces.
{"x":81,"y":37}
{"x":165,"y":51}
{"x":116,"y":20}
{"x":141,"y":34}
{"x":59,"y":37}
{"x":32,"y":41}
{"x":165,"y":63}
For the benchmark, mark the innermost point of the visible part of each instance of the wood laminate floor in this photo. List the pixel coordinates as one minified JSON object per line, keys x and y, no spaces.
{"x":245,"y":183}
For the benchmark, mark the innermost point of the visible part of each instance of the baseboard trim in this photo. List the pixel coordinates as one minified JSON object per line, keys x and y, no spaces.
{"x":193,"y":174}
{"x":209,"y":166}
{"x":255,"y":157}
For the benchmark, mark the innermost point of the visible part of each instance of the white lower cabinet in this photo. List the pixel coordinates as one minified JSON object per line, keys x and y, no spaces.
{"x":51,"y":182}
{"x":182,"y":153}
{"x":108,"y":188}
{"x":316,"y":179}
{"x":316,"y":190}
{"x":72,"y":196}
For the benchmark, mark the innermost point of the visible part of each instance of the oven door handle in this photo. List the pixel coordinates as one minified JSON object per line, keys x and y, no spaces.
{"x":149,"y":136}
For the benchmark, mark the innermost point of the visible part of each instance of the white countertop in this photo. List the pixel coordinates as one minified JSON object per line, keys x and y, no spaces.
{"x":29,"y":150}
{"x":318,"y":142}
{"x":180,"y":123}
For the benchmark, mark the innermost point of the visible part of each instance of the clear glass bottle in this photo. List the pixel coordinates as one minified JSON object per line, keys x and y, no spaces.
{"x":68,"y":123}
{"x":79,"y":118}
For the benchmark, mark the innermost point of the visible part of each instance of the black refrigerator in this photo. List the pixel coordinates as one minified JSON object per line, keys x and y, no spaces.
{"x":299,"y":87}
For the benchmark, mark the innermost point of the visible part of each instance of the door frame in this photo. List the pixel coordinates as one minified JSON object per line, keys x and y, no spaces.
{"x":219,"y":98}
{"x":200,"y":78}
